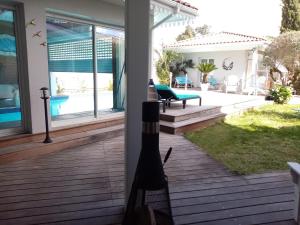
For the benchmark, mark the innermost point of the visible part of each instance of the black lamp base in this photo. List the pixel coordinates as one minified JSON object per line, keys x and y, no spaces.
{"x":47,"y":140}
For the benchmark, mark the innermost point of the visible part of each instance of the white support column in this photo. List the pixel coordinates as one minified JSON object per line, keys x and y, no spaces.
{"x":295,"y":173}
{"x":137,"y":71}
{"x":37,"y":57}
{"x":151,"y":22}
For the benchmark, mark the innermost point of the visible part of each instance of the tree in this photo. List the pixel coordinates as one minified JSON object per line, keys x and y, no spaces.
{"x":203,"y":30}
{"x":167,"y":58}
{"x":188,"y":33}
{"x":290,"y":16}
{"x":284,"y":52}
{"x":181,"y":66}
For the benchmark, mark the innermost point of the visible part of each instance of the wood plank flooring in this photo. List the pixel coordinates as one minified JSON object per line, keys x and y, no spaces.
{"x":85,"y":186}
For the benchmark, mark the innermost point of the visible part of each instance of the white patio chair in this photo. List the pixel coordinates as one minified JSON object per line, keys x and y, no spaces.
{"x":232,"y":84}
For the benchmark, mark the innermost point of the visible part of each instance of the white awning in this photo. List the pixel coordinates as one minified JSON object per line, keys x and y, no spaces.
{"x":172,"y":12}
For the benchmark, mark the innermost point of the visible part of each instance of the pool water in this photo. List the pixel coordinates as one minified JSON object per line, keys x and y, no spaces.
{"x":63,"y":105}
{"x":13,"y":114}
{"x":56,"y":102}
{"x":10,"y":117}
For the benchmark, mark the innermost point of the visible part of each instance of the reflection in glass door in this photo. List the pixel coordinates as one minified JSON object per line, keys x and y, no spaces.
{"x":86,"y":68}
{"x":10,"y":107}
{"x":70,"y":52}
{"x":110,"y":69}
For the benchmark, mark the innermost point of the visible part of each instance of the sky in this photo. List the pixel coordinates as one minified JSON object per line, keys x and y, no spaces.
{"x":253,"y":17}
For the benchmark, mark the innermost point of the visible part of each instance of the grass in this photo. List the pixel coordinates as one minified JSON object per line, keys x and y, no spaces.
{"x":258,"y":141}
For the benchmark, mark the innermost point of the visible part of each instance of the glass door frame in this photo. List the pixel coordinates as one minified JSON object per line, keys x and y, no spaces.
{"x":94,"y":24}
{"x":22,"y":70}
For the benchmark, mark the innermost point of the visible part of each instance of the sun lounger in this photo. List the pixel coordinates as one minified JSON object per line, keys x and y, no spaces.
{"x":167,"y":95}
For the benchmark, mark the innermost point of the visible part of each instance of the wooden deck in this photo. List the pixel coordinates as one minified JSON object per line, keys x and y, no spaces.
{"x":85,"y":186}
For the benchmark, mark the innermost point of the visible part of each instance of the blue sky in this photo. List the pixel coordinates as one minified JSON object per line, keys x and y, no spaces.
{"x":255,"y":17}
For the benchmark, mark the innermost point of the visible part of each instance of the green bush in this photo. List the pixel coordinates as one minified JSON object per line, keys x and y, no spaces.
{"x":163,"y":65}
{"x":281,"y":94}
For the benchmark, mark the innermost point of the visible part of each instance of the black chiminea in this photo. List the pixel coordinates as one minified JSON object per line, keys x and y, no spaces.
{"x":149,"y":200}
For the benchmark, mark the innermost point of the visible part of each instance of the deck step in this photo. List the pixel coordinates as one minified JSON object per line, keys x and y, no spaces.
{"x":37,"y":148}
{"x":61,"y":131}
{"x":191,"y":124}
{"x":177,"y":120}
{"x":178,"y":114}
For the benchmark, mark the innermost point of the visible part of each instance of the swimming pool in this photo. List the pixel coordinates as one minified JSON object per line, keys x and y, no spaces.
{"x":12,"y":114}
{"x":64,"y":105}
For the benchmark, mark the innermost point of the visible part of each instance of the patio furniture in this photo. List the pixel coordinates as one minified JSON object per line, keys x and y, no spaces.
{"x":167,"y":95}
{"x":232,"y":84}
{"x":9,"y":95}
{"x":181,"y":81}
{"x":213,"y":82}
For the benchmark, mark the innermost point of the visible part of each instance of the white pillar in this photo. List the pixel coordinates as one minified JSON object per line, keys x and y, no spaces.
{"x":295,"y":173}
{"x":137,"y":70}
{"x":37,"y":57}
{"x":151,"y":22}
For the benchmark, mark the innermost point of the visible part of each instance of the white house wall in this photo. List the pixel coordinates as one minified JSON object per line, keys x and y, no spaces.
{"x":239,"y":69}
{"x":37,"y":54}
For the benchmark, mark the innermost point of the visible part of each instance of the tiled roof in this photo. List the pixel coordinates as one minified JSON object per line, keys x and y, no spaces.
{"x":185,"y":4}
{"x":216,"y":39}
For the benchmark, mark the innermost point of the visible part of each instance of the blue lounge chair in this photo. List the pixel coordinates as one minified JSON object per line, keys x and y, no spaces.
{"x":167,"y":95}
{"x":213,"y":82}
{"x":180,"y":81}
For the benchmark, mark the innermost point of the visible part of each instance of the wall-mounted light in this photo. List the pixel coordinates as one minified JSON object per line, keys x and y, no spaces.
{"x":31,"y":23}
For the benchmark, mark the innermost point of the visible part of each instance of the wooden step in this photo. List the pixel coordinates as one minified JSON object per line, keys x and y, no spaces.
{"x":116,"y":119}
{"x":177,"y":114}
{"x":191,"y":124}
{"x":37,"y":148}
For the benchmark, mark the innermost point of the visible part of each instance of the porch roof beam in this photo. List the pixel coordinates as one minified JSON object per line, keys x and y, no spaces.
{"x":163,"y":20}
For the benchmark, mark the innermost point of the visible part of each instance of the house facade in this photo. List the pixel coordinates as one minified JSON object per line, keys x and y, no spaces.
{"x":235,"y":55}
{"x":76,"y":49}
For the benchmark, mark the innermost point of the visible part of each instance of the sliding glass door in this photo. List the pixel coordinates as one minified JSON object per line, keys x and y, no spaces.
{"x":110,"y":69}
{"x":86,"y":69}
{"x":10,"y":106}
{"x":70,"y":53}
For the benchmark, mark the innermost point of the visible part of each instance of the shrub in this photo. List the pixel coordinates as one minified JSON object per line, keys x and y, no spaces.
{"x":167,"y":58}
{"x":281,"y":94}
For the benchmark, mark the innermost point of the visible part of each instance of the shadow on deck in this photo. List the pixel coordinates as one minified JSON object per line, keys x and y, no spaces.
{"x":85,"y":185}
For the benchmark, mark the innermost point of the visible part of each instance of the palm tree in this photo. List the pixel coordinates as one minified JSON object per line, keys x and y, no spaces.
{"x":205,"y":69}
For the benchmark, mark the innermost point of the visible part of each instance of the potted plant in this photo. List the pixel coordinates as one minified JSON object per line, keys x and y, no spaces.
{"x":205,"y":69}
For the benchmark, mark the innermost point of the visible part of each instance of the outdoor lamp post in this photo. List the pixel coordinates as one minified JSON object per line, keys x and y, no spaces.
{"x":45,"y":96}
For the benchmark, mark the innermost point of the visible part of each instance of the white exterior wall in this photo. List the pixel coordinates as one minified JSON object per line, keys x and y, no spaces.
{"x":239,"y":69}
{"x":37,"y":57}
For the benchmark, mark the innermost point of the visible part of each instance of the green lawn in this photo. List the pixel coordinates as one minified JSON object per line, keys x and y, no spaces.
{"x":258,"y":141}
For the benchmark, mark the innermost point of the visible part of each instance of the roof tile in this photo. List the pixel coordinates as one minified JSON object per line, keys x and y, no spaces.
{"x":216,"y":39}
{"x":185,"y":4}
